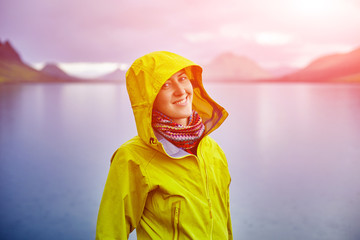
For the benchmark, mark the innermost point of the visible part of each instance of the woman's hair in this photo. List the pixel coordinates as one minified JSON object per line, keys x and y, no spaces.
{"x":189,"y":73}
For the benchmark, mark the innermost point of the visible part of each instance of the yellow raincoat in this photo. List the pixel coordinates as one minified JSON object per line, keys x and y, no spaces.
{"x":155,"y":187}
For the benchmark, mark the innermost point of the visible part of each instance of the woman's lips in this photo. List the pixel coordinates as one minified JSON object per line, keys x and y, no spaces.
{"x":183,"y":101}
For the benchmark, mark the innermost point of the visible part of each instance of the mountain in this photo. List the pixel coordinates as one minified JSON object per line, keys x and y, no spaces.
{"x":230,"y":67}
{"x":14,"y":70}
{"x":282,"y":71}
{"x":334,"y":68}
{"x":116,"y":75}
{"x":8,"y":52}
{"x":51,"y":69}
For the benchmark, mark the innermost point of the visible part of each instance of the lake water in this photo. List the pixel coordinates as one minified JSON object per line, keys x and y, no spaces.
{"x":293,"y":153}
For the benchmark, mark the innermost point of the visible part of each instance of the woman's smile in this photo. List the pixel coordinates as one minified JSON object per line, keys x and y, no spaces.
{"x":183,"y":101}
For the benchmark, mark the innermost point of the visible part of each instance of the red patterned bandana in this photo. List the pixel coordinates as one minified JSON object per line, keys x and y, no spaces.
{"x":185,"y":137}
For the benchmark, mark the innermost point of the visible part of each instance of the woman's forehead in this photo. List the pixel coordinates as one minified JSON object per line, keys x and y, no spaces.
{"x":177,"y":74}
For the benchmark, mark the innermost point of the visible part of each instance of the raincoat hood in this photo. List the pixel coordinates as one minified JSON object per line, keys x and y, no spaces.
{"x":156,"y":189}
{"x":144,"y":80}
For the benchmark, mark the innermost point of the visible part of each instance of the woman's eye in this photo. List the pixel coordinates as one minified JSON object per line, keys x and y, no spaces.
{"x":166,"y":85}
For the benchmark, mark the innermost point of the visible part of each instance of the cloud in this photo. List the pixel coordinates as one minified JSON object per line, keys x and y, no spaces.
{"x":122,"y":30}
{"x":199,"y":36}
{"x":234,"y":31}
{"x":272,"y":38}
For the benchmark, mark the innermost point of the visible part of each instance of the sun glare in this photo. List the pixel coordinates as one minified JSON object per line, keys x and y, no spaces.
{"x":82,"y":69}
{"x":316,"y":8}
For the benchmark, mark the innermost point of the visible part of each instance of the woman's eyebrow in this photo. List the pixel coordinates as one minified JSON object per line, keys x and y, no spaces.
{"x":181,"y":74}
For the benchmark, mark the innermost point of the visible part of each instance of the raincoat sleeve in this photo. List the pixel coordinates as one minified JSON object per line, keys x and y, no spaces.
{"x":229,"y":226}
{"x":123,"y":199}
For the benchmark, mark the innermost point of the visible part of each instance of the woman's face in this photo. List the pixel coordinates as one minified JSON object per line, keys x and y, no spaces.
{"x":175,"y":98}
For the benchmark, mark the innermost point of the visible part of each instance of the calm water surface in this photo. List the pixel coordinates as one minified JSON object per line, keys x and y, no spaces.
{"x":293,"y":152}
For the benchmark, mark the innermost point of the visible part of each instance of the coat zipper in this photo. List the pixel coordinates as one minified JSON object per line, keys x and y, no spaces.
{"x":176,"y":212}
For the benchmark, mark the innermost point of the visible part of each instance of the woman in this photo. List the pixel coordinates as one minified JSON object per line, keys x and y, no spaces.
{"x":172,"y":180}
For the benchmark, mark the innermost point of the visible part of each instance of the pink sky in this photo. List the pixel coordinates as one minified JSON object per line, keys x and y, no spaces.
{"x":271,"y":32}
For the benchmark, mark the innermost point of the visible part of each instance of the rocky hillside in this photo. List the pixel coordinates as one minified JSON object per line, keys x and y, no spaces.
{"x":230,"y":67}
{"x":332,"y":68}
{"x":14,"y":70}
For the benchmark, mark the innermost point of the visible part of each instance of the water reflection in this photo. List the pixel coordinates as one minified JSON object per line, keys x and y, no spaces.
{"x":294,"y":160}
{"x":293,"y":152}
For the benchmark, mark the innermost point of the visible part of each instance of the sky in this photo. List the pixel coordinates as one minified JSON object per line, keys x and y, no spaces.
{"x":87,"y":36}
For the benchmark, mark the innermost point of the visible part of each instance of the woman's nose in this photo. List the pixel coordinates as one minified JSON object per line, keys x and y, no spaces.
{"x":179,"y":89}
